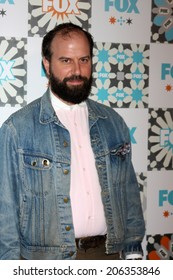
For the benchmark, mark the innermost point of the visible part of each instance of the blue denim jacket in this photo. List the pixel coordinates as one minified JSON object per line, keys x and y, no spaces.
{"x":35,"y":210}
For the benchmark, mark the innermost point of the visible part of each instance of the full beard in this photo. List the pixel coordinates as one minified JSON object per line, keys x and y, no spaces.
{"x":71,"y":94}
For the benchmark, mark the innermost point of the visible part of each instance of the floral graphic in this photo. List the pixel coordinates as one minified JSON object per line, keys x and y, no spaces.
{"x":121,"y":75}
{"x":142,"y":182}
{"x":45,"y":15}
{"x":12,"y":72}
{"x":162,"y":18}
{"x":160,"y":139}
{"x":160,"y":247}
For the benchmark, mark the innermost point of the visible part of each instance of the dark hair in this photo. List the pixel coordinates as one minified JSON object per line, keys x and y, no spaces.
{"x":63,"y":29}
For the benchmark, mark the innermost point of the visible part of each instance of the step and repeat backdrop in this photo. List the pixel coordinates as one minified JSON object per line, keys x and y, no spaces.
{"x":132,"y":73}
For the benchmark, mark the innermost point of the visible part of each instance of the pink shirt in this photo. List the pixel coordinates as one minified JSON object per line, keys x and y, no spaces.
{"x":85,"y":192}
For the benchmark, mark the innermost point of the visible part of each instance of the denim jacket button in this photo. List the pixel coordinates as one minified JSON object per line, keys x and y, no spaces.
{"x":65,"y":144}
{"x":34,"y":163}
{"x":65,"y":199}
{"x":66,"y":171}
{"x":71,"y":254}
{"x":45,"y":162}
{"x":68,"y":228}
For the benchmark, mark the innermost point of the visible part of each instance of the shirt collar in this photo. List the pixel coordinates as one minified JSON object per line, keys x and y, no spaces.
{"x":59,"y":104}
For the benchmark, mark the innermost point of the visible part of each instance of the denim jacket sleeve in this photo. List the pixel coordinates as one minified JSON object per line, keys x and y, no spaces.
{"x":135,"y":221}
{"x":9,"y":232}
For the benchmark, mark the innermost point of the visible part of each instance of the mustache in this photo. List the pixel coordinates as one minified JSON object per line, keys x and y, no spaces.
{"x":74,"y":78}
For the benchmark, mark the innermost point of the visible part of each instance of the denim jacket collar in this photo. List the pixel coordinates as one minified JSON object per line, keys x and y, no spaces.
{"x":47,"y":113}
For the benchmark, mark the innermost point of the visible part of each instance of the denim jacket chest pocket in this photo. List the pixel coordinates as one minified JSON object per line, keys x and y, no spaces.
{"x":118,"y":162}
{"x":113,"y":162}
{"x":37,"y":173}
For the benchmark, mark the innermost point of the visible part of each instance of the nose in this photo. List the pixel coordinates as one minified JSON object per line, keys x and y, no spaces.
{"x":76,"y":68}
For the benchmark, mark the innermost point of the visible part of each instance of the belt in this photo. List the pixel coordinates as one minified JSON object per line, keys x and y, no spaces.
{"x":86,"y":243}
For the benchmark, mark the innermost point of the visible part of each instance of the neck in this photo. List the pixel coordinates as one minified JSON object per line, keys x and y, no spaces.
{"x":62,"y":100}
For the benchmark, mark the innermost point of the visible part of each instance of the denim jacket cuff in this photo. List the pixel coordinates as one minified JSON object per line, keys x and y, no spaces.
{"x":131,"y":249}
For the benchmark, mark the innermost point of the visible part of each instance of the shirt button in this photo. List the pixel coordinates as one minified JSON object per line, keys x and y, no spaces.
{"x":68,"y":228}
{"x":66,"y":171}
{"x":65,"y":199}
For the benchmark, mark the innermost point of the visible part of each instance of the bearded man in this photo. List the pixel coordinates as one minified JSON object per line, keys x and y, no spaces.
{"x":68,"y":186}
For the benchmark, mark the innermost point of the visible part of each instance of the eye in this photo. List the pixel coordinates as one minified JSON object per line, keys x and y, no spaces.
{"x":84,"y":60}
{"x":65,"y":60}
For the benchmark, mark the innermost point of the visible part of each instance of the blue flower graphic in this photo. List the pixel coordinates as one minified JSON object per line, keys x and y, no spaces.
{"x":164,"y":18}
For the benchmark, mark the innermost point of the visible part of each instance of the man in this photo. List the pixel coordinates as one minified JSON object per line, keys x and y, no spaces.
{"x":68,"y":187}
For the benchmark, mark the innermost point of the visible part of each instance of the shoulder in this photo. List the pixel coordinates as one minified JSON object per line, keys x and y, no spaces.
{"x":25,"y":113}
{"x":109,"y":120}
{"x":104,"y":111}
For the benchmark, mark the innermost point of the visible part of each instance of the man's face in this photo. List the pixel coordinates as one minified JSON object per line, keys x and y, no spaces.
{"x":69,"y":70}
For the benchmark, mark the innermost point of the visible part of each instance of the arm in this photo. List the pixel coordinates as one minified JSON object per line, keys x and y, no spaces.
{"x":9,"y":229}
{"x":135,"y":221}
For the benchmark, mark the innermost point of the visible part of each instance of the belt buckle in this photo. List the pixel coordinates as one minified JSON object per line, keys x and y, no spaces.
{"x":89,"y":242}
{"x":79,"y":244}
{"x":83,"y":243}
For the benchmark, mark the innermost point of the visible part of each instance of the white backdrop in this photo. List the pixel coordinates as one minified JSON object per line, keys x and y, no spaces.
{"x":133,"y":73}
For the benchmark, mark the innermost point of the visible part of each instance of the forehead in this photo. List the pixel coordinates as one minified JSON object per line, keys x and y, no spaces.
{"x":74,"y":42}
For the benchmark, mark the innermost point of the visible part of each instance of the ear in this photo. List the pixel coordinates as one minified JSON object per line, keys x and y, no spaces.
{"x":46,"y":65}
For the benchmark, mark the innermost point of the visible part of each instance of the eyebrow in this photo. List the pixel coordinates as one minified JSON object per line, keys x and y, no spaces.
{"x":66,"y":57}
{"x":86,"y":56}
